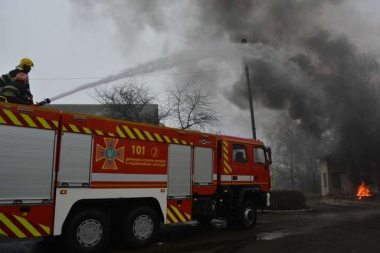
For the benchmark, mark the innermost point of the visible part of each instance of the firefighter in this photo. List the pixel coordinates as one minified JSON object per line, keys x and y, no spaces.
{"x":18,"y":91}
{"x":25,"y":66}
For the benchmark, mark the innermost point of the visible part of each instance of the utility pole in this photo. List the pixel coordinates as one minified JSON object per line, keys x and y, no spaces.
{"x":244,"y":41}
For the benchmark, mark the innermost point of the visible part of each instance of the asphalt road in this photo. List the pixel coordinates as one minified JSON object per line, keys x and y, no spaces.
{"x":325,"y":229}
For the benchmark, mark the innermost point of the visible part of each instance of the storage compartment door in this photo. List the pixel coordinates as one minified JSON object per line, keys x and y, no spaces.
{"x":203,"y":166}
{"x":179,"y":178}
{"x":26,"y":166}
{"x":75,"y":162}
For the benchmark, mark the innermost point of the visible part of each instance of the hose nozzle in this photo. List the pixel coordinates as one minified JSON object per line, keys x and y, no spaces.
{"x":43,"y":102}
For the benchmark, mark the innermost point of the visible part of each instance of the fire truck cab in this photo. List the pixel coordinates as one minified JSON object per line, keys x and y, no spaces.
{"x":85,"y":178}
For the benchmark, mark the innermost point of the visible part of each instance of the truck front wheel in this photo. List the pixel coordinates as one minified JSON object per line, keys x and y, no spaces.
{"x":87,"y":231}
{"x":141,"y":226}
{"x":248,"y":215}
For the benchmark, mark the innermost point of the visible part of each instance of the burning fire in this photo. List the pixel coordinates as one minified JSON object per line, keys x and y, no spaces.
{"x":363,"y":191}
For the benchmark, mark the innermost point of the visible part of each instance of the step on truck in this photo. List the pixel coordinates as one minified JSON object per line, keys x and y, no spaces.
{"x":83,"y":178}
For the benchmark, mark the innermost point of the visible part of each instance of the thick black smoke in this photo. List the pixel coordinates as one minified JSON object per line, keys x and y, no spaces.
{"x":338,"y":90}
{"x":305,"y":67}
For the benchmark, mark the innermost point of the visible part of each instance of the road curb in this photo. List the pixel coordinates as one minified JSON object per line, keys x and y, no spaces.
{"x":346,"y":202}
{"x":289,"y":211}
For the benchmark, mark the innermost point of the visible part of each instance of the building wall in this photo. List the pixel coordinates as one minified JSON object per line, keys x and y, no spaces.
{"x":325,"y":179}
{"x":335,"y":181}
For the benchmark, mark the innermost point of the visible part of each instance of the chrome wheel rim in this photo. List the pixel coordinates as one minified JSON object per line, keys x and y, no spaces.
{"x":143,"y":227}
{"x":89,"y":233}
{"x":249,"y":215}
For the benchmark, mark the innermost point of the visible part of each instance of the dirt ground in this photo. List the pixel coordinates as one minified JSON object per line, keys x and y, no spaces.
{"x":325,"y":229}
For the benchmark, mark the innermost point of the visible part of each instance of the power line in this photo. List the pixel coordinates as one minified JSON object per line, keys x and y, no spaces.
{"x":163,"y":74}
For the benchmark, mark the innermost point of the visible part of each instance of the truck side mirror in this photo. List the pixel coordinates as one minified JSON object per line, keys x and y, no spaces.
{"x":269,"y":151}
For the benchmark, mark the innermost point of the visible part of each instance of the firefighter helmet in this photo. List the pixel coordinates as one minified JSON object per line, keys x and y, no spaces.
{"x":26,"y":62}
{"x":22,"y":77}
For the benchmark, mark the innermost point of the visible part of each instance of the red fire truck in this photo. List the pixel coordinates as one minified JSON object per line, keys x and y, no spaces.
{"x":83,"y":177}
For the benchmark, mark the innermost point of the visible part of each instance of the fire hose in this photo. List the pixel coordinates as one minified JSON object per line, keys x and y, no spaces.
{"x":46,"y":101}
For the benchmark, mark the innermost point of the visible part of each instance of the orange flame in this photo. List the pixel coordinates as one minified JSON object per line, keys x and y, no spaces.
{"x":363,"y":191}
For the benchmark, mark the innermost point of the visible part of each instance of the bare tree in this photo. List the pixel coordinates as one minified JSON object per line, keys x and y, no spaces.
{"x":127,"y":101}
{"x":295,"y":155}
{"x":192,"y":107}
{"x":187,"y":107}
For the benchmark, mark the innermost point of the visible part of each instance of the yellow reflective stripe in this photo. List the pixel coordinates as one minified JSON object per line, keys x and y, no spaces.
{"x":2,"y":232}
{"x":86,"y":130}
{"x":167,"y":139}
{"x":179,"y":214}
{"x":28,"y":226}
{"x":172,"y":216}
{"x":225,"y":157}
{"x":139,"y":134}
{"x":188,"y":216}
{"x":227,"y":166}
{"x":129,"y":132}
{"x":184,"y":142}
{"x":158,"y":137}
{"x":74,"y":128}
{"x":44,"y":123}
{"x":175,"y":140}
{"x":118,"y":130}
{"x":99,"y":132}
{"x":56,"y":125}
{"x":225,"y":150}
{"x":12,"y":117}
{"x":225,"y":144}
{"x":2,"y":121}
{"x":226,"y":171}
{"x":11,"y":226}
{"x":111,"y":134}
{"x":28,"y":120}
{"x":168,"y":221}
{"x":149,"y":136}
{"x":45,"y":228}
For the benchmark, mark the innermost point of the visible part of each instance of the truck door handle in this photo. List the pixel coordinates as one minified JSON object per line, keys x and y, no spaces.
{"x":234,"y":177}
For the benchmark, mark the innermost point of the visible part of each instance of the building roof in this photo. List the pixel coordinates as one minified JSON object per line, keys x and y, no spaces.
{"x":148,"y":114}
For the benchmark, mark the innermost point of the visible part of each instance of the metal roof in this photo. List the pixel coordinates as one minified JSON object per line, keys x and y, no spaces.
{"x":149,"y":113}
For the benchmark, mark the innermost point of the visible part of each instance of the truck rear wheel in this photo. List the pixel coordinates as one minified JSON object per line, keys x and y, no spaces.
{"x":141,"y":226}
{"x":87,"y":231}
{"x":248,"y":215}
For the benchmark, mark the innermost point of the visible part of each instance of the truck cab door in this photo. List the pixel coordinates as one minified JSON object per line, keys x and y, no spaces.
{"x":240,"y":164}
{"x":260,"y":166}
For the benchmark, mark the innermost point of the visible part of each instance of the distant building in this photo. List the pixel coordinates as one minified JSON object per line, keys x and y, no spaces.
{"x":336,"y":181}
{"x":148,"y":114}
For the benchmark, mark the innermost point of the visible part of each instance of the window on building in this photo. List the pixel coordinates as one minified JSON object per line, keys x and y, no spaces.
{"x":239,"y":153}
{"x":259,"y":155}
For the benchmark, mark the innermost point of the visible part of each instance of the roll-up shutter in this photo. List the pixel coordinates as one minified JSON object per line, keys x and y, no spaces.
{"x":75,"y":161}
{"x":179,"y":179}
{"x":27,"y":160}
{"x":203,"y":166}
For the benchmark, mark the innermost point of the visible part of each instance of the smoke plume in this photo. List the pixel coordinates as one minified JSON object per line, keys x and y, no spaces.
{"x":298,"y":62}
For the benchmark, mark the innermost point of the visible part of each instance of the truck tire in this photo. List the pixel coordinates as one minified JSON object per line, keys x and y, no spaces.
{"x":248,"y":215}
{"x":141,"y":226}
{"x":87,"y":231}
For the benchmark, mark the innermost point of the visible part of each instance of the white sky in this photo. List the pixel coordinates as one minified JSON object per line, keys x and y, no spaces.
{"x":64,"y":45}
